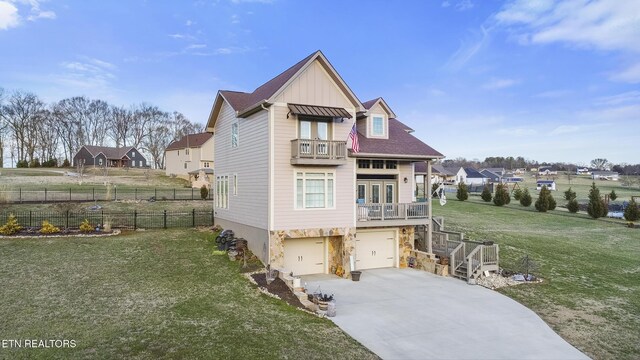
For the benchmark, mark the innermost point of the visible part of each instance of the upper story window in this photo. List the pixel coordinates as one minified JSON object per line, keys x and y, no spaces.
{"x":186,"y":151}
{"x":133,"y":154}
{"x":314,"y":130}
{"x":377,"y":164}
{"x":377,"y":125}
{"x":314,"y":190}
{"x":234,"y":135}
{"x":391,"y":164}
{"x":364,"y":164}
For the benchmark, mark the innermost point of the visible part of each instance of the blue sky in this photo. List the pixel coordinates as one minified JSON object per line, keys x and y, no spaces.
{"x":550,"y":81}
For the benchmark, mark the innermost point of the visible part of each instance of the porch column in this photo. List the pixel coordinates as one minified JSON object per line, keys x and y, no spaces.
{"x":429,"y":194}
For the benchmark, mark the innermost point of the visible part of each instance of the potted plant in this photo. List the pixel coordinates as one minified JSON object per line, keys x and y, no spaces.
{"x":323,"y":301}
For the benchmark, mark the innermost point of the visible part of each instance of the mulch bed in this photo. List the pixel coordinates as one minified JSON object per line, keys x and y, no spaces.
{"x":35,"y":232}
{"x":279,"y":288}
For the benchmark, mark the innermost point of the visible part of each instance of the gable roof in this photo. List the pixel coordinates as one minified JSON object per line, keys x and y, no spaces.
{"x":109,"y":152}
{"x":473,"y":173}
{"x":490,"y":174}
{"x":400,"y":144}
{"x":244,"y":103}
{"x":371,"y":103}
{"x":421,"y":168}
{"x":190,"y":140}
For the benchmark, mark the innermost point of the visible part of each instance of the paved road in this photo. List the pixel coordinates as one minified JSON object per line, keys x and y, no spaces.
{"x":410,"y":314}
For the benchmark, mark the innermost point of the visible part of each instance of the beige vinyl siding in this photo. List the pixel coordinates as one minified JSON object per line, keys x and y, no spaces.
{"x":174,"y":162}
{"x":314,"y":86}
{"x":285,"y":214}
{"x":249,"y":161}
{"x":206,"y":151}
{"x":378,"y":110}
{"x":405,"y":191}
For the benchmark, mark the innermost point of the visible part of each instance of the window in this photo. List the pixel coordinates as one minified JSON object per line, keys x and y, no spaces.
{"x":222,"y":192}
{"x":185,"y":165}
{"x":100,"y":161}
{"x":178,"y":152}
{"x":235,"y":184}
{"x":377,"y":126}
{"x":363,"y":164}
{"x":392,"y":164}
{"x":133,"y":154}
{"x":314,"y":190}
{"x":377,"y":164}
{"x":186,"y":151}
{"x":206,"y":164}
{"x":234,"y":135}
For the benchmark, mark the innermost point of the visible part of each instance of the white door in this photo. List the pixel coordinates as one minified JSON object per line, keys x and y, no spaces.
{"x":304,"y":256}
{"x":375,"y":249}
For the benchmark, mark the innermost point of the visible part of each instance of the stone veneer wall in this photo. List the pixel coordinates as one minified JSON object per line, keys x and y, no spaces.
{"x":405,"y":244}
{"x":341,"y":244}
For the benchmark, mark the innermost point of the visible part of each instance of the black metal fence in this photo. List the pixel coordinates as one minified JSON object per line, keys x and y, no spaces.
{"x":99,"y":194}
{"x":116,"y":219}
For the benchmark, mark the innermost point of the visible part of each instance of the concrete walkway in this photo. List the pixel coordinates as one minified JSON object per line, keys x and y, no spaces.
{"x":410,"y":314}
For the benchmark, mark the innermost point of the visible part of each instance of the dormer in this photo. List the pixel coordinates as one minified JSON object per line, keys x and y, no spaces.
{"x":376,"y":119}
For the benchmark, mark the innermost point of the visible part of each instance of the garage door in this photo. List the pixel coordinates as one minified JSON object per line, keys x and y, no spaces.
{"x":304,"y":256}
{"x":375,"y":249}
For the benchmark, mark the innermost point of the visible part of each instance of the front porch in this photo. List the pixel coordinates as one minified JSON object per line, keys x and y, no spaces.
{"x":391,"y":214}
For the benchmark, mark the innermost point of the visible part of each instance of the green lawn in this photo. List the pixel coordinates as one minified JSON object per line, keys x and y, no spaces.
{"x":591,"y":270}
{"x":154,"y":294}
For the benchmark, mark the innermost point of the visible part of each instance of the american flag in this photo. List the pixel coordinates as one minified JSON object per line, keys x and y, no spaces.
{"x":353,"y":135}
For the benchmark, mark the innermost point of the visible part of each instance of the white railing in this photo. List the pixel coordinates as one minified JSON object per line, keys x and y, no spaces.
{"x":393,"y":211}
{"x":318,"y":149}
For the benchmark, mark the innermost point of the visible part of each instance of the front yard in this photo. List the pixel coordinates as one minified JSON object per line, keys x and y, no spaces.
{"x":150,"y":295}
{"x":591,"y":270}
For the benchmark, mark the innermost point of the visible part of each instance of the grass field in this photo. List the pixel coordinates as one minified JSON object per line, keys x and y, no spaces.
{"x":149,"y":295}
{"x":591,"y":270}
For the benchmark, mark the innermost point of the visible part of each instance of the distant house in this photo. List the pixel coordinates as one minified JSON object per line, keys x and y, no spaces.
{"x":583,"y":171}
{"x":474,"y":177}
{"x":439,"y":174}
{"x":105,"y":156}
{"x":519,"y":171}
{"x":604,"y":175}
{"x":547,"y":170}
{"x":491,"y":176}
{"x":550,"y":184}
{"x":186,"y":156}
{"x":497,"y":171}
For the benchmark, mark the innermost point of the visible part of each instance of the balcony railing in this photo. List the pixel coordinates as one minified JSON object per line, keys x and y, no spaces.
{"x":318,"y":152}
{"x":392,"y":214}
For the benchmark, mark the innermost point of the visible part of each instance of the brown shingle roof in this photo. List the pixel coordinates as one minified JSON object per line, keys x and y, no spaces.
{"x":368,"y":104}
{"x":400,"y":143}
{"x":421,"y":168}
{"x":109,"y":152}
{"x":190,"y":140}
{"x":242,"y":100}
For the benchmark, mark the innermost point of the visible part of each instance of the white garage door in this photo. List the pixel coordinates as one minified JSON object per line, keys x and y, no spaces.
{"x":304,"y":256}
{"x":375,"y":249}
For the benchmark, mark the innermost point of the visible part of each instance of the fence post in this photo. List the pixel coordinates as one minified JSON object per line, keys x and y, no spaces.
{"x":94,"y":194}
{"x":102,"y":218}
{"x":155,"y":193}
{"x":69,"y":195}
{"x":135,"y":194}
{"x":191,"y":193}
{"x":68,"y":216}
{"x":20,"y":195}
{"x":115,"y":193}
{"x":135,"y":219}
{"x":165,"y":219}
{"x":45,"y":194}
{"x":193,"y":217}
{"x":29,"y":218}
{"x":174,"y":193}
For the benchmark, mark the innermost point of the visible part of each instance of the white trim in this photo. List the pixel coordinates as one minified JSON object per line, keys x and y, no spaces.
{"x":385,"y":126}
{"x":304,"y":187}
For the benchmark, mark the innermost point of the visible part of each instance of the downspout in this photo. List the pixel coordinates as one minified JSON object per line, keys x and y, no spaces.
{"x":429,"y":212}
{"x":270,"y":173}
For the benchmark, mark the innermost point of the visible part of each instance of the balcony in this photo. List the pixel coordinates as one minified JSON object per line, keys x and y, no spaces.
{"x":393,"y":214}
{"x":318,"y":152}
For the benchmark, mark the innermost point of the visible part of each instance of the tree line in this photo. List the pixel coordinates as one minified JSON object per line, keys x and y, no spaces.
{"x":36,"y":133}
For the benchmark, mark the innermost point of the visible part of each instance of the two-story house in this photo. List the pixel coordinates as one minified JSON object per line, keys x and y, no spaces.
{"x":190,"y":155}
{"x":289,"y":181}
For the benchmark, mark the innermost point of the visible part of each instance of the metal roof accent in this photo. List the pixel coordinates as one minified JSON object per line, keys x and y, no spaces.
{"x":319,"y":111}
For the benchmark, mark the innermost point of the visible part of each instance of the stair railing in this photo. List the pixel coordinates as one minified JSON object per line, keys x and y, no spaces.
{"x":456,"y":258}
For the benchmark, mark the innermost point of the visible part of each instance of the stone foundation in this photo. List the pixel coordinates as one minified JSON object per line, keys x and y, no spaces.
{"x":427,"y":262}
{"x":406,"y":241}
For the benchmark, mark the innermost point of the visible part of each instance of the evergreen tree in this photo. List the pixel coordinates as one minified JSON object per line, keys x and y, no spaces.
{"x":545,"y":201}
{"x":486,"y":194}
{"x":573,"y":206}
{"x":502,"y":196}
{"x":596,"y":207}
{"x":462,"y":194}
{"x":525,"y":199}
{"x":632,"y":213}
{"x":569,"y":195}
{"x":517,"y":194}
{"x":612,"y":195}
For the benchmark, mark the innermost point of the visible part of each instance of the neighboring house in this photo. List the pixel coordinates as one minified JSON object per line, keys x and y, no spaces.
{"x":519,"y":171}
{"x":201,"y":177}
{"x":491,"y":176}
{"x":287,"y":181}
{"x":547,"y":170}
{"x":583,"y":171}
{"x":104,"y":156}
{"x":474,"y":177}
{"x":439,"y":174}
{"x":604,"y":175}
{"x":186,"y":156}
{"x":498,"y":171}
{"x":550,"y":184}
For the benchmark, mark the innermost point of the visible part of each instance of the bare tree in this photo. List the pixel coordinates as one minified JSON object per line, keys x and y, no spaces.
{"x":70,"y":114}
{"x":143,"y":119}
{"x":3,"y":128}
{"x":120,"y":124}
{"x":95,"y":125}
{"x":600,"y":164}
{"x":157,"y":141}
{"x":23,"y":114}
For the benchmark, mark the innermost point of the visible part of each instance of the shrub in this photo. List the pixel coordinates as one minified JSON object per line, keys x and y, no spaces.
{"x":486,"y":194}
{"x":462,"y":194}
{"x":49,"y":228}
{"x":569,"y":194}
{"x":204,"y":192}
{"x":573,"y":206}
{"x":11,"y":227}
{"x":85,"y":227}
{"x":22,"y":164}
{"x":525,"y":199}
{"x":517,"y":194}
{"x":596,"y":207}
{"x":35,"y":163}
{"x":502,"y":195}
{"x":612,"y":195}
{"x":50,"y":163}
{"x":66,"y":163}
{"x":632,"y":213}
{"x":545,"y":201}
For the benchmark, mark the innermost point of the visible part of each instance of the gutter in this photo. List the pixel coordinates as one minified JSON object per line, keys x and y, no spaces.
{"x":260,"y":105}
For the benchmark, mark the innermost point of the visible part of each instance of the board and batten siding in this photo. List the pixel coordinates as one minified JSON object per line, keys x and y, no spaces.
{"x":286,"y":216}
{"x":405,"y":191}
{"x":250,"y":161}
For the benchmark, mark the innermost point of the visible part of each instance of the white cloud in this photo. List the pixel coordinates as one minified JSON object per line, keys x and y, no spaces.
{"x":42,"y":15}
{"x":623,"y":98}
{"x":196,"y":46}
{"x":89,"y":73}
{"x":629,"y":75}
{"x":189,"y":23}
{"x":517,"y":132}
{"x":496,"y":84}
{"x":235,"y":19}
{"x":445,"y":4}
{"x":565,"y":129}
{"x":468,"y":49}
{"x":464,"y":5}
{"x":8,"y":15}
{"x":599,"y":24}
{"x":553,"y":94}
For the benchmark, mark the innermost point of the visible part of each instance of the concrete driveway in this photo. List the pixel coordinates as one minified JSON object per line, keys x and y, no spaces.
{"x":410,"y":314}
